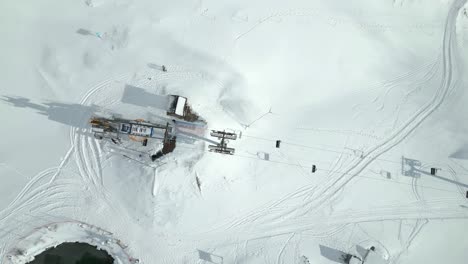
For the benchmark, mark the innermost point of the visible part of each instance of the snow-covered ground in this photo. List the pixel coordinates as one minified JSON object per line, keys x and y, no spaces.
{"x":371,"y":92}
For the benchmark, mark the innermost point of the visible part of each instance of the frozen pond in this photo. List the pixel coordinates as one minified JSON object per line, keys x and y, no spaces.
{"x":73,"y":253}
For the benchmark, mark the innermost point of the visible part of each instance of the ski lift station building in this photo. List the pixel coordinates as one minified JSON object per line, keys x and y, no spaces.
{"x":116,"y":128}
{"x":177,"y":106}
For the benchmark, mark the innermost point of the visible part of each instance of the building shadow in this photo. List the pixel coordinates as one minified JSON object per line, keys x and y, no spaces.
{"x":140,"y":97}
{"x":156,"y":66}
{"x":208,"y":257}
{"x":85,"y":32}
{"x":332,"y":254}
{"x":412,"y":168}
{"x":448,"y":180}
{"x":90,"y":33}
{"x":461,"y":153}
{"x":361,"y":251}
{"x":75,"y":115}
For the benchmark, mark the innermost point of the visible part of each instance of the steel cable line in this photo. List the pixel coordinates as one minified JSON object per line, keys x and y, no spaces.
{"x":329,"y":150}
{"x":331,"y":171}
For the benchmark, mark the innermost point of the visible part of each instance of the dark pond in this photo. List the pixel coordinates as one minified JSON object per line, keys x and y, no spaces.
{"x":73,"y":253}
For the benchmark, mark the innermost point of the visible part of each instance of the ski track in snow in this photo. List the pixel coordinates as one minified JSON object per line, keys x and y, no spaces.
{"x":51,"y":194}
{"x":436,"y":209}
{"x":273,"y":214}
{"x":334,"y":21}
{"x":409,"y":78}
{"x":87,"y":150}
{"x":78,"y":141}
{"x":337,"y":167}
{"x":87,"y":155}
{"x":324,"y":232}
{"x":455,"y":178}
{"x":418,"y":226}
{"x":27,"y":189}
{"x":274,"y":218}
{"x":418,"y":84}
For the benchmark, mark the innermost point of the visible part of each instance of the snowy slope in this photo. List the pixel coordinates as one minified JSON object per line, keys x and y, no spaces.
{"x":361,"y":89}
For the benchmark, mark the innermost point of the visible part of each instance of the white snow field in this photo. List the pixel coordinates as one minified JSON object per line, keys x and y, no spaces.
{"x":372,"y":92}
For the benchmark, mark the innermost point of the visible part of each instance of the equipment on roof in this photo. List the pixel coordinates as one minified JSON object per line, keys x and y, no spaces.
{"x":177,"y":106}
{"x":278,"y":142}
{"x":136,"y":130}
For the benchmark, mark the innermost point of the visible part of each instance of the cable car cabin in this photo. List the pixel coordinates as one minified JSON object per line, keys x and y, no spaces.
{"x":177,"y":106}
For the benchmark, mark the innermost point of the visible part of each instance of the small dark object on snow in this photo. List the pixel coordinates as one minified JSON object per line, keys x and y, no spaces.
{"x":314,"y":168}
{"x":433,"y":171}
{"x":157,"y":155}
{"x":278,"y":142}
{"x":466,"y":194}
{"x":348,"y":257}
{"x":145,"y":142}
{"x":198,"y":183}
{"x":114,"y":141}
{"x":168,"y":147}
{"x":164,"y":68}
